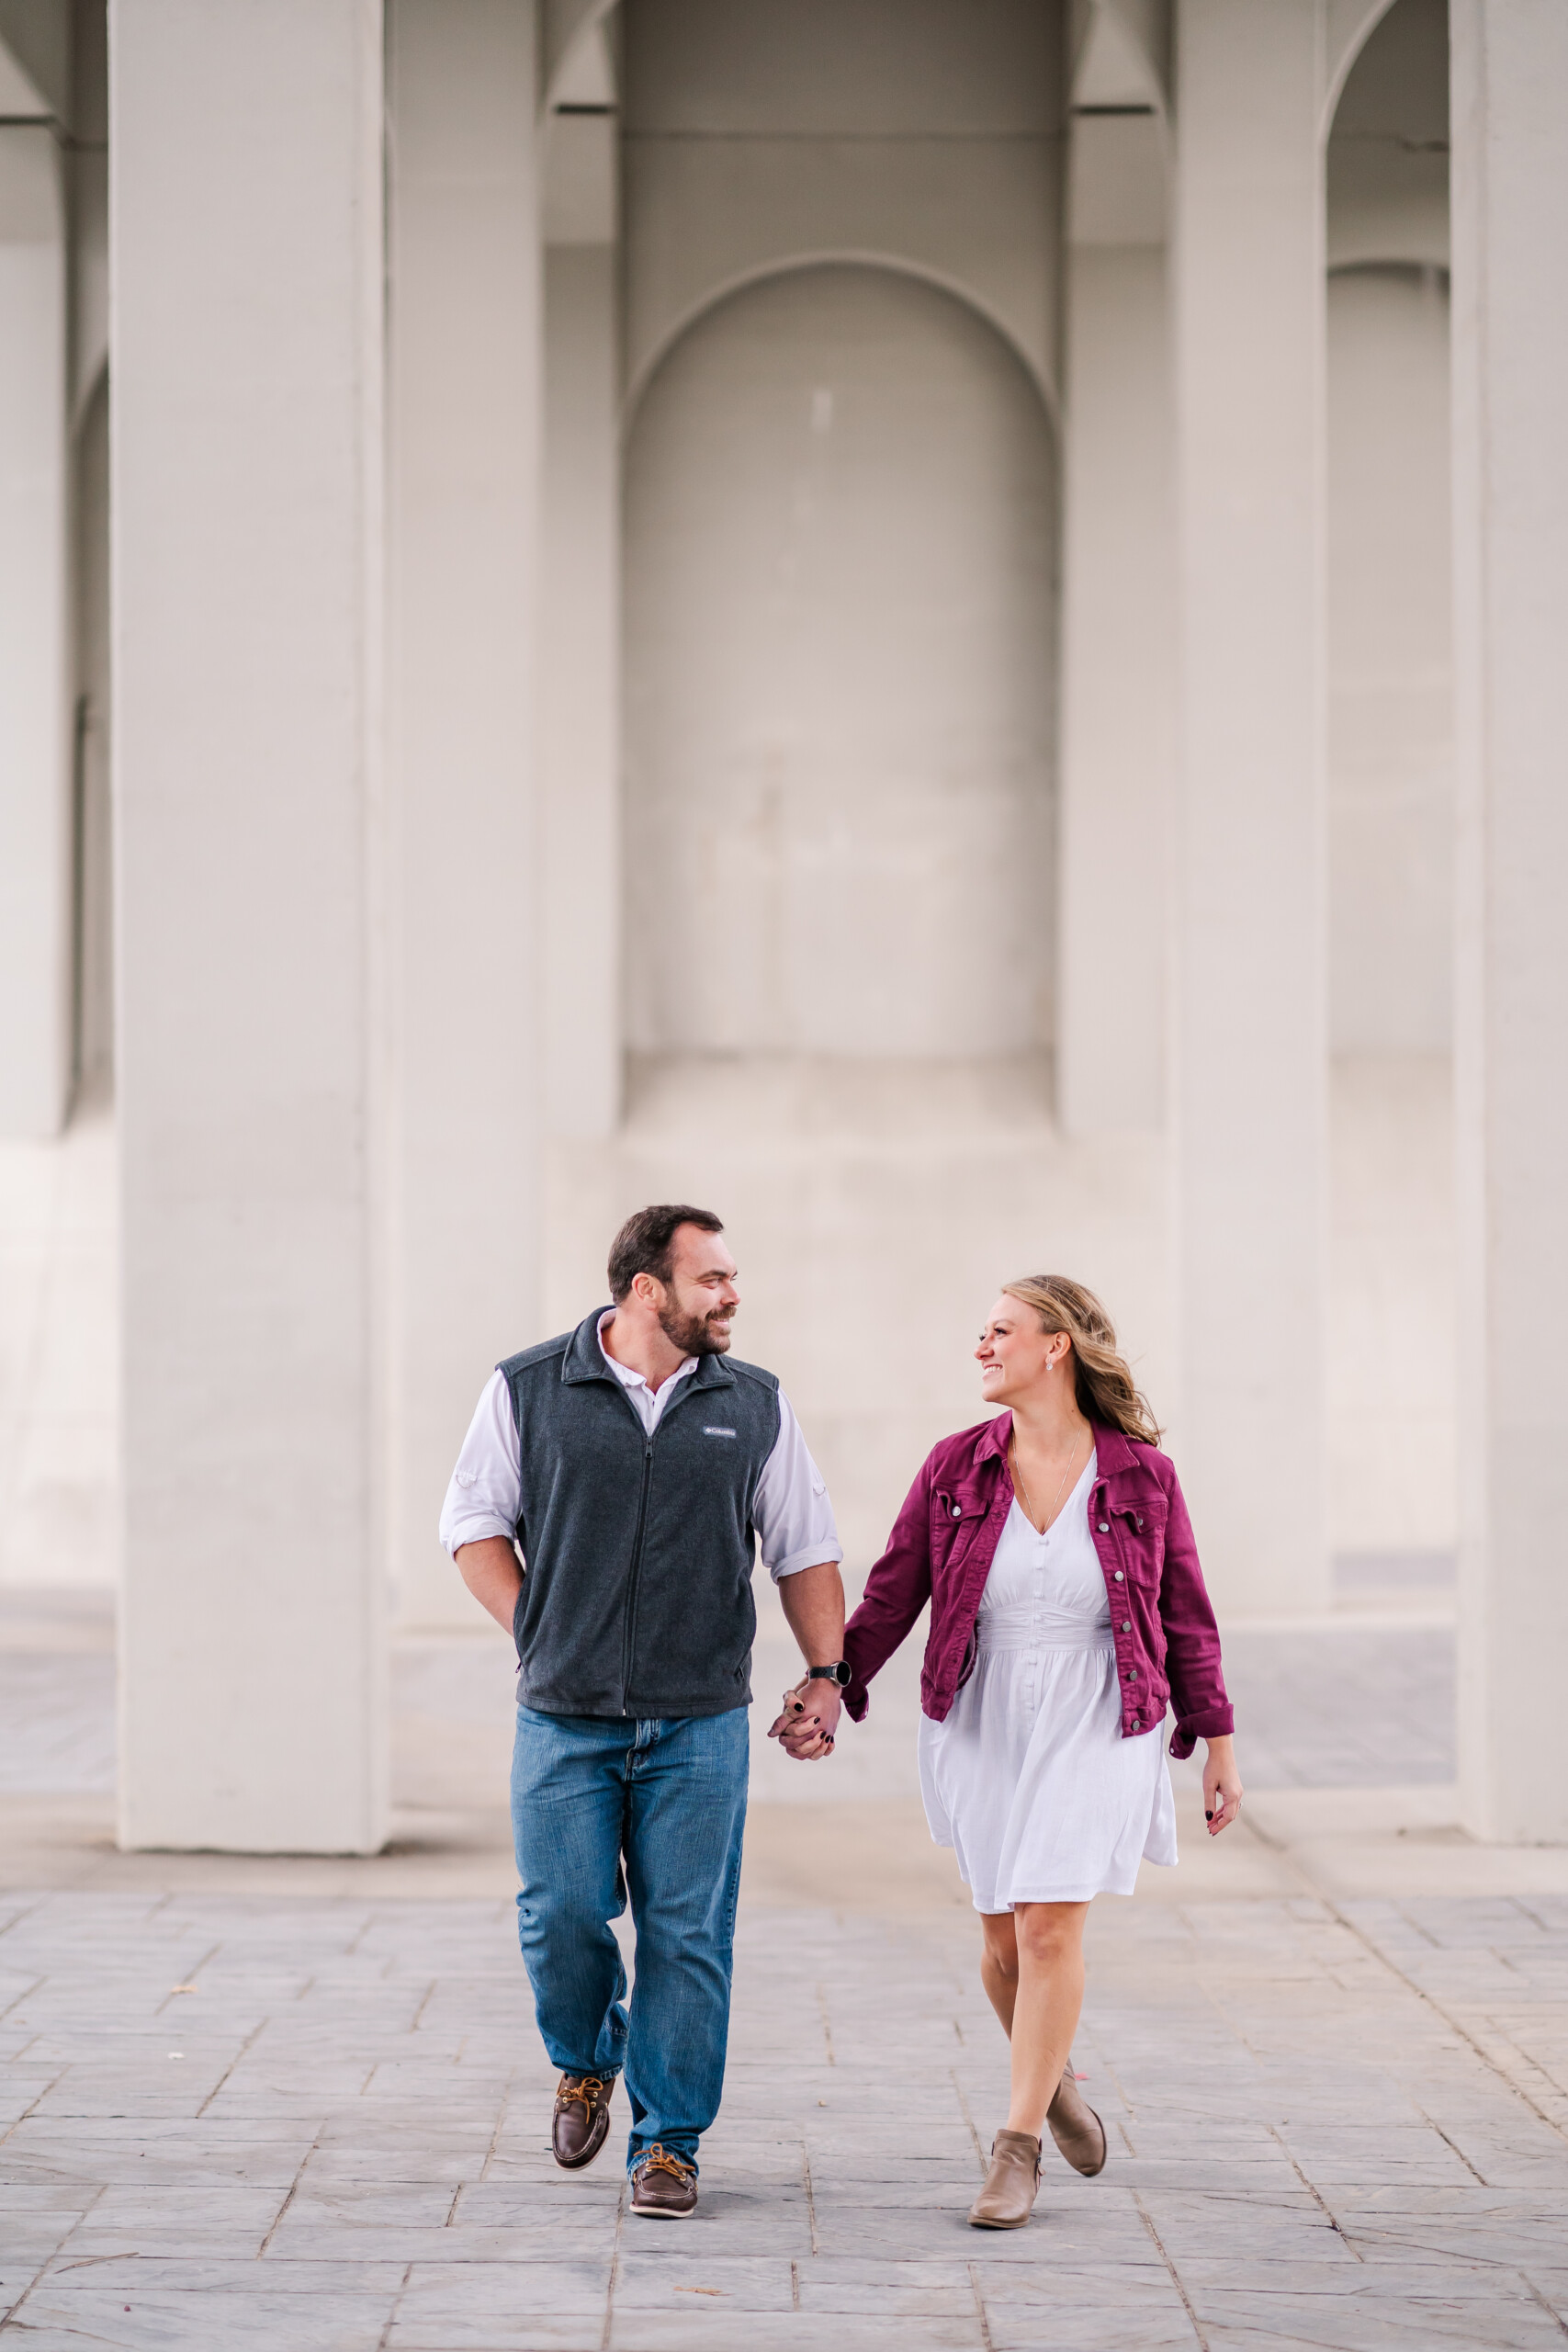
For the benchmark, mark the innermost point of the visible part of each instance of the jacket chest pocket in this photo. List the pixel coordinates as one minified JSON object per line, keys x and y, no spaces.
{"x":1140,"y":1529}
{"x":955,"y":1518}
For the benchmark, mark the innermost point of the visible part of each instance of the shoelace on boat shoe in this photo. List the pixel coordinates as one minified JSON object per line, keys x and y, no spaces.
{"x":571,"y":2093}
{"x":659,"y":2159}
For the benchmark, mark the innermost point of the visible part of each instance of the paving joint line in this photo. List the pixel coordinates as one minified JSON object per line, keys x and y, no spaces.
{"x":1548,"y":2308}
{"x":1454,"y":2144}
{"x":386,"y":2334}
{"x":1315,"y":2192}
{"x":1529,"y":2065}
{"x":23,"y":1911}
{"x":980,"y":2311}
{"x":1176,"y":2278}
{"x":29,"y":2111}
{"x":810,"y":2193}
{"x":969,"y":2120}
{"x":251,"y":2038}
{"x":1533,"y":1916}
{"x":176,"y":1990}
{"x":827,"y":2029}
{"x":615,"y":2267}
{"x":36,"y":1983}
{"x":42,"y":2272}
{"x":293,"y":2192}
{"x":500,"y":2122}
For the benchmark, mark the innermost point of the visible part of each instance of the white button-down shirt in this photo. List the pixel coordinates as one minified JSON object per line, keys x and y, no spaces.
{"x":793,"y":1513}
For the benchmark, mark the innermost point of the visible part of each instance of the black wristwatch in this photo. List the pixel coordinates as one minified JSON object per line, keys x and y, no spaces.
{"x":840,"y":1673}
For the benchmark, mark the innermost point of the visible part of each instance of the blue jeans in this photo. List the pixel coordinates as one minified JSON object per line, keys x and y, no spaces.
{"x":669,"y":1797}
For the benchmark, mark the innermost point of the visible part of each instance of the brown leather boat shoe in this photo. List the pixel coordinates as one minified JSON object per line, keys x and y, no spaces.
{"x":664,"y":2188}
{"x":581,"y":2120}
{"x":1075,"y":2128}
{"x":1007,"y":2200}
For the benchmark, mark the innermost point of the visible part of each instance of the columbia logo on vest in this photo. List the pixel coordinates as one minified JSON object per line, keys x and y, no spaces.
{"x":708,"y":1430}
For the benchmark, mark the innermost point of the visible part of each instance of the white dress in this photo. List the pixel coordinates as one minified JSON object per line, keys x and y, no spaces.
{"x":1029,"y":1778}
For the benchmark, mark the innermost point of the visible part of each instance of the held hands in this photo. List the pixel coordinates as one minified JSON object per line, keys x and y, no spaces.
{"x":1222,"y":1785}
{"x":810,"y":1718}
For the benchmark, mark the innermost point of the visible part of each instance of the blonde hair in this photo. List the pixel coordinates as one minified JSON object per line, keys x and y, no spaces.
{"x":1103,"y":1378}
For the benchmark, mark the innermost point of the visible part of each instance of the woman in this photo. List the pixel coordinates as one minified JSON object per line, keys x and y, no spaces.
{"x":1068,"y":1605}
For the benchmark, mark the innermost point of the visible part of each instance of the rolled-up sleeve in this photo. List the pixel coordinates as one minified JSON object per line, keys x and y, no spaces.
{"x":792,"y":1512}
{"x":486,"y":1492}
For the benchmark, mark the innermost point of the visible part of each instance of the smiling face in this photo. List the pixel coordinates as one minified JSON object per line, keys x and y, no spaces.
{"x":1016,"y":1356}
{"x":696,"y":1307}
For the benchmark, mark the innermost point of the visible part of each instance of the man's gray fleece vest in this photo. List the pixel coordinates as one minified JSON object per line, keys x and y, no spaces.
{"x":637,"y":1595}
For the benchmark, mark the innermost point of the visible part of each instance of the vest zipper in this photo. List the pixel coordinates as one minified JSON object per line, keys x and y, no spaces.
{"x":633,"y":1575}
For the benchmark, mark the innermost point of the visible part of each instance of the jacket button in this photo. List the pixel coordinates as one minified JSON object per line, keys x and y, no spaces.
{"x":1137,"y":1723}
{"x":1131,"y":1674}
{"x":957,"y":1511}
{"x":1118,"y":1576}
{"x":1105,"y":1527}
{"x":1127,"y":1625}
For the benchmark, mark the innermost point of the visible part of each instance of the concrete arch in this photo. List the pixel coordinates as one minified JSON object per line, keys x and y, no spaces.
{"x":894,"y":264}
{"x":1351,"y":24}
{"x":839,"y":533}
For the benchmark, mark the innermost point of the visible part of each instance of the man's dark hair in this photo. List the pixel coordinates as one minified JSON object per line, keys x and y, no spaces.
{"x":644,"y":1243}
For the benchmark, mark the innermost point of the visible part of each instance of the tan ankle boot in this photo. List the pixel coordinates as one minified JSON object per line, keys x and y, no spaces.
{"x":1007,"y":2200}
{"x":1075,"y":2128}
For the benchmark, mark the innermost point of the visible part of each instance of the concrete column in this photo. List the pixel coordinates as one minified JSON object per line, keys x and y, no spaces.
{"x":1510,"y":362}
{"x":246,"y":367}
{"x":580,"y":693}
{"x":1118,"y":694}
{"x":1250,"y":1045}
{"x":35,"y":662}
{"x":464,"y":404}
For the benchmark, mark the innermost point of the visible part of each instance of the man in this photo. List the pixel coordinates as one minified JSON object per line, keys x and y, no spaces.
{"x":633,"y":1467}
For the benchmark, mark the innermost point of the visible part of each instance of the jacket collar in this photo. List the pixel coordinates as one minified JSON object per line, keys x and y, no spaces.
{"x":1112,"y":1450}
{"x":584,"y":1360}
{"x":993,"y":1440}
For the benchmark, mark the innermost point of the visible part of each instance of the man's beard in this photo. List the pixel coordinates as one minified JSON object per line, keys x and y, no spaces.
{"x":696,"y":1335}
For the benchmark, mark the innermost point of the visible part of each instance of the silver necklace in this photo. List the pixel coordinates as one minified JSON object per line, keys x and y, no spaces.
{"x":1028,"y":1506}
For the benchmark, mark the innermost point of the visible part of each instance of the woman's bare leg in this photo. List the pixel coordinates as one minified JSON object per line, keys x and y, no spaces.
{"x":1032,"y":1968}
{"x":999,"y":1964}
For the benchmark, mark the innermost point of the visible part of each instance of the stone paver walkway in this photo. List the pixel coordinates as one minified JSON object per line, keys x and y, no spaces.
{"x":323,"y":2124}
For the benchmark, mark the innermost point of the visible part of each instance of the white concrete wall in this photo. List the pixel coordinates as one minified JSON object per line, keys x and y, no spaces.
{"x":832,"y":473}
{"x":464,"y":397}
{"x":1392,"y":1350}
{"x":246,"y":372}
{"x":1510,"y":283}
{"x":35,"y":632}
{"x":1251,"y":1077}
{"x":1118,"y":738}
{"x":579,"y":692}
{"x":1390,"y":728}
{"x":94,"y":943}
{"x":838,"y":531}
{"x":1118,"y":638}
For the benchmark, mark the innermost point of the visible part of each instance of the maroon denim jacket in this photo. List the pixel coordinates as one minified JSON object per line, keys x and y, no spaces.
{"x":1168,"y":1646}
